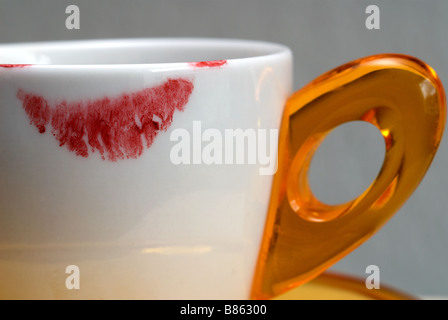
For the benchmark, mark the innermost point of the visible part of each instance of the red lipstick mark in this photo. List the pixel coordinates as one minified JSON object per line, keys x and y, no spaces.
{"x":14,"y":65}
{"x":209,"y":64}
{"x":117,"y":127}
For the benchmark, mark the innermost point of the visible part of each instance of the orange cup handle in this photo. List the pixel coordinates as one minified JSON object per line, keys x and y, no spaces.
{"x":405,"y":100}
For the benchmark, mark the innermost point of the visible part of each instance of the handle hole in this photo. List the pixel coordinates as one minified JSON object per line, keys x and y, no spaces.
{"x":347,"y":162}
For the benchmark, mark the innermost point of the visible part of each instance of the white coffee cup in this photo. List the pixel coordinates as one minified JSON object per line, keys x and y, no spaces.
{"x":99,"y":198}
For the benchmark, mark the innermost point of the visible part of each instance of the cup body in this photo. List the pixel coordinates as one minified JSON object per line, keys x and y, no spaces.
{"x":90,"y":173}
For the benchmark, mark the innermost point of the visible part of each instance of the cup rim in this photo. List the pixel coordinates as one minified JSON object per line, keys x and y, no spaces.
{"x":265,"y":49}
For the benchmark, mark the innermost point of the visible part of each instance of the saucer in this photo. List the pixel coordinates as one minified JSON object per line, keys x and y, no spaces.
{"x":335,"y":286}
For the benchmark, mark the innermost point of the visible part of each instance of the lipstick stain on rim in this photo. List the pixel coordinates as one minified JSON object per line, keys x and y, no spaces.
{"x":118,"y":127}
{"x":208,"y":64}
{"x":10,"y":66}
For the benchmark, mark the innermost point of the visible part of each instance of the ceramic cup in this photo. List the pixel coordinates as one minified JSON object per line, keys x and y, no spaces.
{"x":177,"y":168}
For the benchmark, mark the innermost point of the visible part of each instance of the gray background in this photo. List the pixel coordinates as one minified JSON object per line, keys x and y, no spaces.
{"x":411,"y":250}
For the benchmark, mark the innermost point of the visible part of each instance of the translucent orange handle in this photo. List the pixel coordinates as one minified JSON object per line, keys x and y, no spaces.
{"x":405,"y":100}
